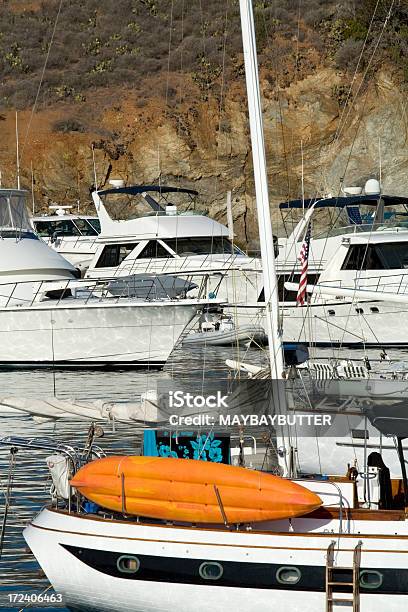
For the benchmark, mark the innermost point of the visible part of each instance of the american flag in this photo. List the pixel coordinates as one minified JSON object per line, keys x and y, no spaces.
{"x":304,"y":259}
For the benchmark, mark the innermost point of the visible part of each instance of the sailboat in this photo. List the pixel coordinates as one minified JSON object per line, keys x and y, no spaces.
{"x":340,"y":554}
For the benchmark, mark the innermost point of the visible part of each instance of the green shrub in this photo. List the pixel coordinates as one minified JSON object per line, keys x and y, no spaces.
{"x":68,"y":125}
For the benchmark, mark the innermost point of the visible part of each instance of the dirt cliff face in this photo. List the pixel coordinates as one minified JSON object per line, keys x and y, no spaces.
{"x":193,"y":144}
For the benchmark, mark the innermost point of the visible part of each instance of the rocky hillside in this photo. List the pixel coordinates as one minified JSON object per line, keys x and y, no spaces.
{"x":157,"y":88}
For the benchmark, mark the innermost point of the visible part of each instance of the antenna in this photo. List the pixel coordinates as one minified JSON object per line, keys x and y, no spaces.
{"x":94,"y":167}
{"x":17,"y":155}
{"x":303,"y":182}
{"x":380,"y":161}
{"x":32,"y":189}
{"x":230,"y":220}
{"x":158,"y":163}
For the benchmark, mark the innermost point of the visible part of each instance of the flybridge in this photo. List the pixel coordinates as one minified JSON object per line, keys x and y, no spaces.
{"x":152,"y":211}
{"x":344,"y":201}
{"x":125,"y":196}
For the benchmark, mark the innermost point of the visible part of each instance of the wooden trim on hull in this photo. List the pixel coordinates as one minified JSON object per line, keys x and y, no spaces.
{"x":356,"y":514}
{"x":222,"y":529}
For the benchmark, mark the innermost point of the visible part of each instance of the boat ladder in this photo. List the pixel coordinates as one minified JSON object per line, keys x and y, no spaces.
{"x":343,"y":581}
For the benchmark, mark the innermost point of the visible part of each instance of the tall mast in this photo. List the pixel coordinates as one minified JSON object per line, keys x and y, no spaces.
{"x":17,"y":155}
{"x":261,"y":191}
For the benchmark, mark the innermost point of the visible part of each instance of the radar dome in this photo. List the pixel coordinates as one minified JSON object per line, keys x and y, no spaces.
{"x":372,"y":187}
{"x":352,"y":191}
{"x":117,"y":183}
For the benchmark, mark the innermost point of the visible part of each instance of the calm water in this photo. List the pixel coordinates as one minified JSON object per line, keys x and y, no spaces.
{"x":19,"y":571}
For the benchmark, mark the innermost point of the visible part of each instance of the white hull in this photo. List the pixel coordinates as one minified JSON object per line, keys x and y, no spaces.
{"x":377,"y":324}
{"x":168,"y":579}
{"x":315,"y":324}
{"x":74,"y":333}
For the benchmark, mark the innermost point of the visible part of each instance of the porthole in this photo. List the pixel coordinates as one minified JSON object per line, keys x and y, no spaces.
{"x":211,"y":570}
{"x":288,"y":575}
{"x":332,"y":312}
{"x":374,"y":309}
{"x":359,"y":311}
{"x":371,"y":579}
{"x":128,"y":564}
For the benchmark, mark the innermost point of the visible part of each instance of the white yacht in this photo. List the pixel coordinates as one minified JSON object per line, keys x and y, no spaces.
{"x":160,"y":236}
{"x":363,"y":254}
{"x":71,"y":235}
{"x":22,"y":254}
{"x":48,"y":317}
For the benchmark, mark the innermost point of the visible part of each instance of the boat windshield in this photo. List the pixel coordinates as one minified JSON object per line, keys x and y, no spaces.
{"x":388,"y":225}
{"x":125,"y":206}
{"x":95,"y":223}
{"x":213,"y":245}
{"x":329,"y":222}
{"x":383,"y":256}
{"x":14,"y":216}
{"x":66,"y":227}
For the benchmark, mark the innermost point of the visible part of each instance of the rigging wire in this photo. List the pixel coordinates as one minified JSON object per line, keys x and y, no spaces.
{"x":42,"y":77}
{"x":363,"y":79}
{"x":169,"y":51}
{"x":342,"y":120}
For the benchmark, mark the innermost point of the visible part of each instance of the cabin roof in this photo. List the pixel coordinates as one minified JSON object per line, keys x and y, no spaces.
{"x":135,"y":189}
{"x":343,"y":201}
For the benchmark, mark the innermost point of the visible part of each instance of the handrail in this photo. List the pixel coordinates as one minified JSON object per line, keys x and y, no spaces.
{"x":100,"y":289}
{"x":375,"y":282}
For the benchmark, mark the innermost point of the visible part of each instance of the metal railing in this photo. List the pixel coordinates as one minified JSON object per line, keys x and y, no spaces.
{"x":391,"y":283}
{"x":113,"y":289}
{"x":395,"y":226}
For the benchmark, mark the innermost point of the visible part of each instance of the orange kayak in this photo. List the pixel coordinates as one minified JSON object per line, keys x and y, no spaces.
{"x":192,"y":491}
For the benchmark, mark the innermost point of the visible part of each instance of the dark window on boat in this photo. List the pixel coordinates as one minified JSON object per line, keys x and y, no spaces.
{"x":360,"y":434}
{"x":96,"y":224}
{"x":211,"y":570}
{"x":203,"y":246}
{"x":371,"y":579}
{"x":374,"y":309}
{"x":86,"y":229}
{"x":113,"y":254}
{"x":284,"y":294}
{"x":154,"y":250}
{"x":63,"y":227}
{"x":331,"y":312}
{"x":288,"y":575}
{"x":128,"y":564}
{"x":386,"y":256}
{"x":359,"y":311}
